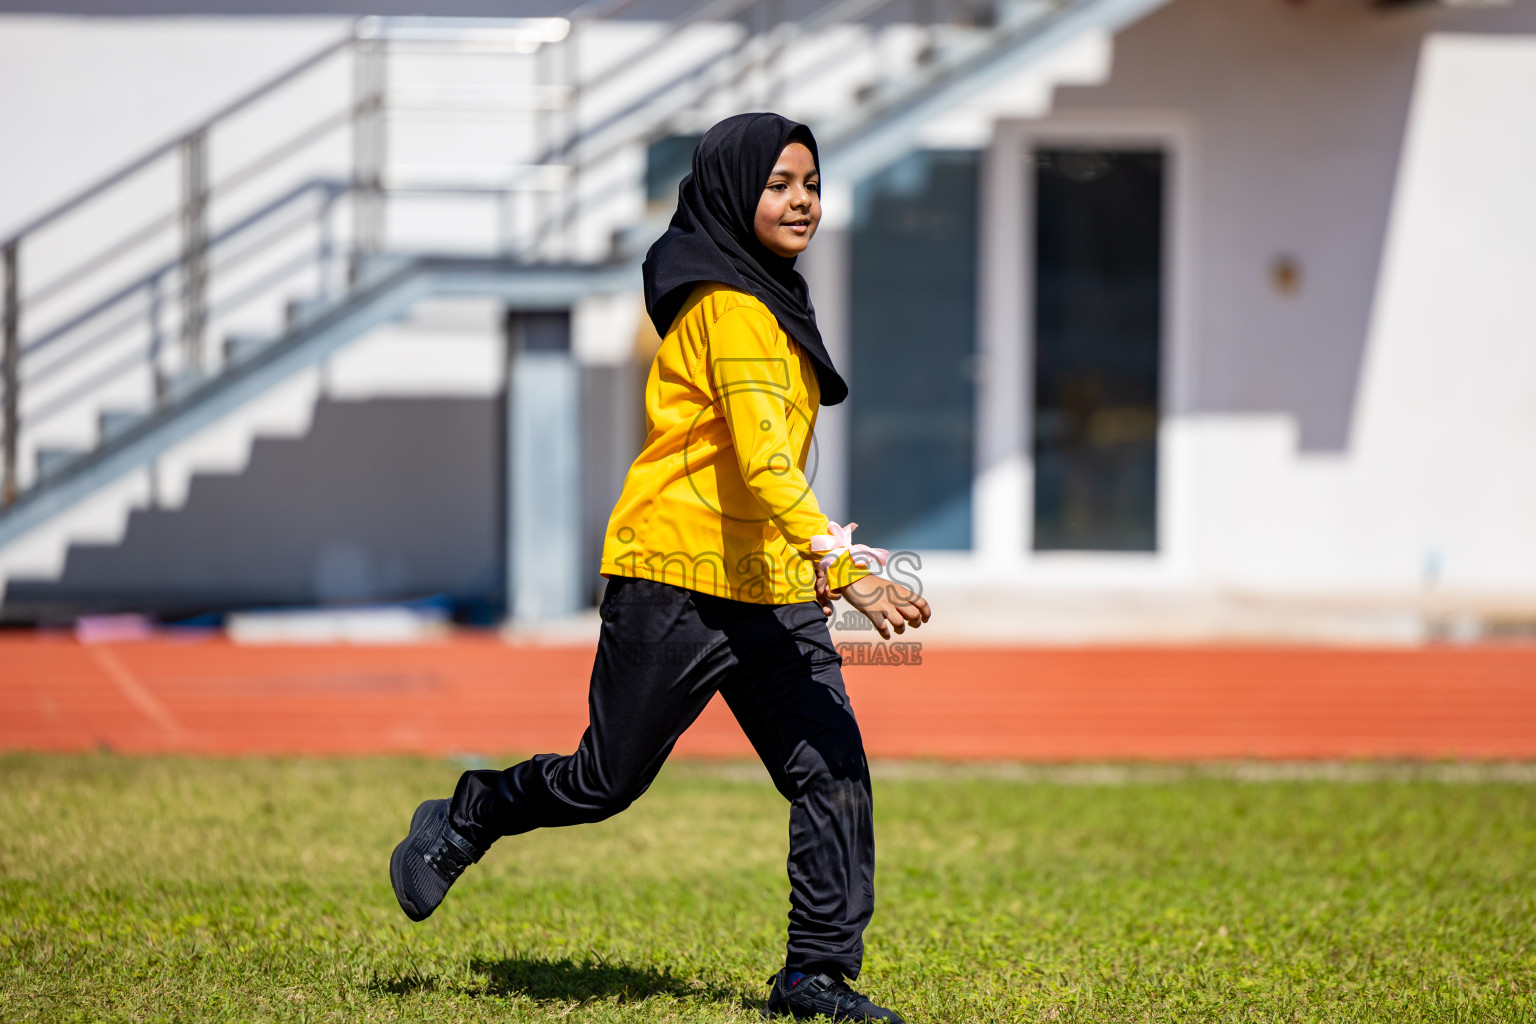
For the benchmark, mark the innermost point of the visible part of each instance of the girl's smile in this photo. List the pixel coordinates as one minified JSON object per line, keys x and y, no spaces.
{"x":790,"y":206}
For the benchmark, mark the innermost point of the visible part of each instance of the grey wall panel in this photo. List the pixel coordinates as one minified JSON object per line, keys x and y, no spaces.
{"x":612,"y":425}
{"x":383,"y":500}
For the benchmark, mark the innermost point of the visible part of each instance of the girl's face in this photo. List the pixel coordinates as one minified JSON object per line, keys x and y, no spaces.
{"x":790,"y":206}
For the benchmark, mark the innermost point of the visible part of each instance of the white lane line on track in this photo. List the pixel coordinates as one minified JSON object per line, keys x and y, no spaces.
{"x":138,"y":695}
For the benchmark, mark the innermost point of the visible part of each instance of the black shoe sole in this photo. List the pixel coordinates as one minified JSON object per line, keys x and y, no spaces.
{"x":792,"y":1015}
{"x":397,"y":866}
{"x":785,"y":1009}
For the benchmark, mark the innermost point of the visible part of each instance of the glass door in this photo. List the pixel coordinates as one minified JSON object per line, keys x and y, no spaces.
{"x":1098,"y":287}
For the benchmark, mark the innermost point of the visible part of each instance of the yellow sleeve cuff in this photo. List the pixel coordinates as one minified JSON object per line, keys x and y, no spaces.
{"x":844,"y":571}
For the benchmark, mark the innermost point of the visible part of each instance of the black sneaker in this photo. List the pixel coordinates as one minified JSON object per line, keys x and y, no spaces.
{"x":825,"y":996}
{"x":429,"y":860}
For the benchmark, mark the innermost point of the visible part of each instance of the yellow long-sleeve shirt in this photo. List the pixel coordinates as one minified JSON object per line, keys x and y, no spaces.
{"x":718,"y":500}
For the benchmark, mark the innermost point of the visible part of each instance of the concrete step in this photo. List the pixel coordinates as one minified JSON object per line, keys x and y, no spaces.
{"x":112,"y":423}
{"x":240,"y":347}
{"x":51,"y":461}
{"x":182,"y":384}
{"x":299,"y":311}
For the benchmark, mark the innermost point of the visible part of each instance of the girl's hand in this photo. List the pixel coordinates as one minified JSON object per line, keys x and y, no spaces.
{"x":824,"y":595}
{"x":885,"y":604}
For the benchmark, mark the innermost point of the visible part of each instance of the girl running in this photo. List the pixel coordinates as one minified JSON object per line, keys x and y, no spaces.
{"x":722,"y":571}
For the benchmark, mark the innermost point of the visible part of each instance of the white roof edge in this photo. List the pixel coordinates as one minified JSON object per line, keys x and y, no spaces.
{"x":861,"y":150}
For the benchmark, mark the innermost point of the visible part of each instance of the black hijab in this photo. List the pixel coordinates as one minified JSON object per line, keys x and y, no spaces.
{"x":711,"y":236}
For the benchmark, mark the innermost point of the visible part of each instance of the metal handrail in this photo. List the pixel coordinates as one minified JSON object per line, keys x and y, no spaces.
{"x":332,"y":188}
{"x":596,"y":10}
{"x":143,"y":234}
{"x":194,"y":266}
{"x":839,"y":10}
{"x":187,"y":280}
{"x":165,"y":149}
{"x":358,"y":31}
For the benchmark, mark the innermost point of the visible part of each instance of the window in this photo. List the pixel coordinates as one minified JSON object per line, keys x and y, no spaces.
{"x":1098,"y":345}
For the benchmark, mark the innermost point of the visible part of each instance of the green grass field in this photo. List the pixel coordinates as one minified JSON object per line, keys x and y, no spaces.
{"x":183,"y":889}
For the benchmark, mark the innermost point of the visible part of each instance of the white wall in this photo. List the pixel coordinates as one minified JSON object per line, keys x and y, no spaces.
{"x":83,"y":95}
{"x":1375,"y":431}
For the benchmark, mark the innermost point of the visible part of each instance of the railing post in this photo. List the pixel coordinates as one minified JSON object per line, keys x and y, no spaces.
{"x":157,"y":341}
{"x":773,"y":18}
{"x":325,"y":245}
{"x":10,"y":370}
{"x":544,"y":205}
{"x":194,"y":249}
{"x":571,"y":73}
{"x":368,"y":80}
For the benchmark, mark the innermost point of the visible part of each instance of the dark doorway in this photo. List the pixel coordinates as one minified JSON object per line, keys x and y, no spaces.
{"x":1098,"y":347}
{"x":914,"y":340}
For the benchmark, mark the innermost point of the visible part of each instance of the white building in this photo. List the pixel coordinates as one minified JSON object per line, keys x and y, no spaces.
{"x":1202,"y":318}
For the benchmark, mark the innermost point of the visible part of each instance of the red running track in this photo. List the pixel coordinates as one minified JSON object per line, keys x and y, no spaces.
{"x":480,"y":695}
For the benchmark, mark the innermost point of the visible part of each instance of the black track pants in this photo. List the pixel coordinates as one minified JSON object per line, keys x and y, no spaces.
{"x":663,"y":653}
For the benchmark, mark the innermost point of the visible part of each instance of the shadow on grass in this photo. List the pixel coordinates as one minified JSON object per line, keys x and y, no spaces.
{"x":566,"y":980}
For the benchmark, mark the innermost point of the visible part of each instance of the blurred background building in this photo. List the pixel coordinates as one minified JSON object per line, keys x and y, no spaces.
{"x":1163,"y":318}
